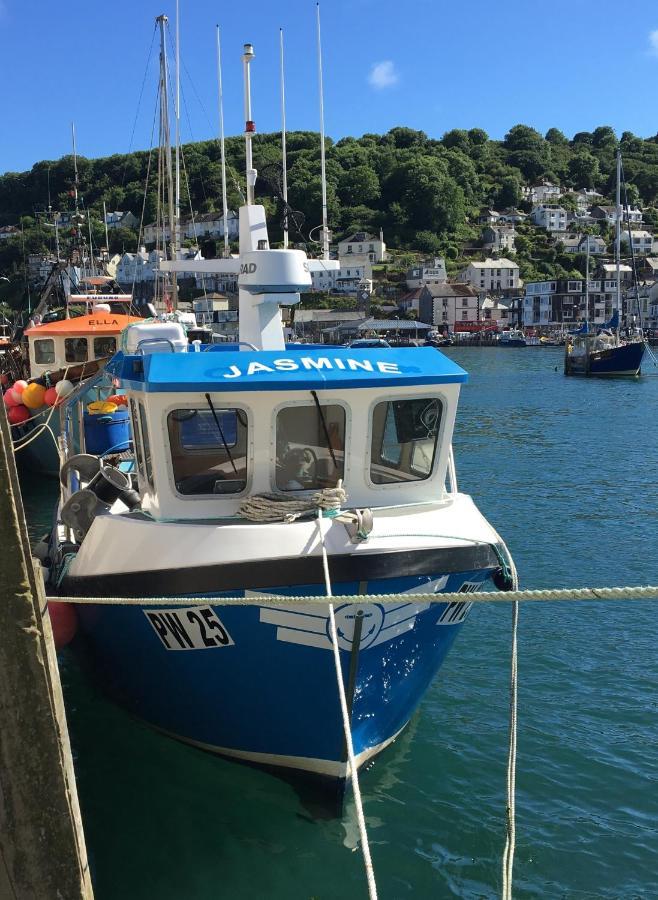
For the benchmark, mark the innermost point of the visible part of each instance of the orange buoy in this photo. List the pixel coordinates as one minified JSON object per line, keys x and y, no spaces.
{"x":64,"y":621}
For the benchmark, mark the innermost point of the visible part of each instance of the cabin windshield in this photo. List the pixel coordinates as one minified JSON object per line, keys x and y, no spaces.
{"x":75,"y":350}
{"x":104,"y":346}
{"x":310,"y":447}
{"x":208,"y":450}
{"x":404,"y":438}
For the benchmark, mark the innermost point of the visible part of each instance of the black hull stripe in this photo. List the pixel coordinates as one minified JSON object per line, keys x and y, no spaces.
{"x":271,"y":573}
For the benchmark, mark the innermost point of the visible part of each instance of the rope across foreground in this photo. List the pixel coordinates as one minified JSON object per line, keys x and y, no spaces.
{"x":619,"y":594}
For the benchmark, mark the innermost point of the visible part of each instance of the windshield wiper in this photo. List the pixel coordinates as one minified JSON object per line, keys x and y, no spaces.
{"x":325,"y":429}
{"x":221,"y":433}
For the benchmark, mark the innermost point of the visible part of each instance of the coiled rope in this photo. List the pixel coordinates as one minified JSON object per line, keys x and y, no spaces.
{"x":347,"y":728}
{"x":274,"y":508}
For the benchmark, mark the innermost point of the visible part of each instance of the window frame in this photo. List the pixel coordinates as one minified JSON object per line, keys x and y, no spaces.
{"x":54,"y":351}
{"x":203,"y":407}
{"x":324,"y":401}
{"x":432,"y":475}
{"x":76,"y":362}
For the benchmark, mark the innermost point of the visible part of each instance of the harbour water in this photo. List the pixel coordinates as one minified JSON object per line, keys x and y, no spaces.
{"x":566,"y":470}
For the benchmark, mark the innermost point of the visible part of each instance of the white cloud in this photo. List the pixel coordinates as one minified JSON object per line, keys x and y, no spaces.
{"x":653,"y":42}
{"x":383,"y":74}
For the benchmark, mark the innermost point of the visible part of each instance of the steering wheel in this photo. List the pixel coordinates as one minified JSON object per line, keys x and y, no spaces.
{"x":300,"y":467}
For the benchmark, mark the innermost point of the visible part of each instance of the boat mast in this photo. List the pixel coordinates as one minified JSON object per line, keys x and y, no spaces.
{"x":587,"y":282}
{"x":220,"y":102}
{"x":249,"y":124}
{"x":107,"y":238}
{"x":166,"y":139}
{"x":618,"y":236}
{"x":325,"y":230}
{"x":177,"y":115}
{"x":283,"y":147}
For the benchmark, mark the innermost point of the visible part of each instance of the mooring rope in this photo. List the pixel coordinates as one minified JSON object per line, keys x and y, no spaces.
{"x":642,"y":592}
{"x":347,"y":728}
{"x":275,"y":508}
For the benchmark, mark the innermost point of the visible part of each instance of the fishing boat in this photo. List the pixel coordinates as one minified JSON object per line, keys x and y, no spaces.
{"x":606,"y":351}
{"x":512,"y":337}
{"x":267,"y":471}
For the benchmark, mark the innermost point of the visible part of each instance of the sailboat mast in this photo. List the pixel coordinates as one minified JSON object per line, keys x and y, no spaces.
{"x":107,"y":237}
{"x":323,"y":166}
{"x":166,"y":140}
{"x":249,"y":124}
{"x":618,"y":234}
{"x":587,"y":281}
{"x":177,"y":115}
{"x":220,"y":102}
{"x":283,"y":147}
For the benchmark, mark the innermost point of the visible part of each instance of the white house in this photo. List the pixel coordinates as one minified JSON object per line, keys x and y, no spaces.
{"x":643,"y":241}
{"x":491,"y":275}
{"x":586,"y":198}
{"x":498,"y":237}
{"x":609,"y":214}
{"x":494,"y":311}
{"x":363,"y":244}
{"x":544,"y":192}
{"x":8,"y":231}
{"x":552,"y":217}
{"x":201,"y":226}
{"x":577,"y":243}
{"x":432,"y":271}
{"x":345,"y":280}
{"x":449,"y":305}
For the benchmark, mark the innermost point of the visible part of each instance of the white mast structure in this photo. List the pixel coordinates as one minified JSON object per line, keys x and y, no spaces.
{"x":165,"y":137}
{"x":283,"y":147}
{"x":220,"y":103}
{"x":618,"y":238}
{"x":176,"y":235}
{"x":267,"y":279}
{"x":325,"y":230}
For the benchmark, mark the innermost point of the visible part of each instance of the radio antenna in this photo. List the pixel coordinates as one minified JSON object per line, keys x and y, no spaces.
{"x":249,"y":124}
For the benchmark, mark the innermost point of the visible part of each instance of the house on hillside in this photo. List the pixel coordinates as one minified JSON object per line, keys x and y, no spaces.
{"x":577,"y":243}
{"x":119,"y":219}
{"x":491,"y":275}
{"x":642,"y":241}
{"x":544,"y":192}
{"x":430,"y":271}
{"x":448,"y":305}
{"x":586,"y":198}
{"x":512,"y":216}
{"x":9,"y":231}
{"x":488,"y":216}
{"x":551,"y":217}
{"x":363,"y":244}
{"x":499,"y":238}
{"x":608,"y":214}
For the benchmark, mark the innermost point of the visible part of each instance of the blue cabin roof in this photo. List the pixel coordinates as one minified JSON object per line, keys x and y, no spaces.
{"x":295,"y":368}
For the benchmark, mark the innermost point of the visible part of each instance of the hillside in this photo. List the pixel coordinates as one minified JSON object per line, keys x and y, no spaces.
{"x":424,"y":193}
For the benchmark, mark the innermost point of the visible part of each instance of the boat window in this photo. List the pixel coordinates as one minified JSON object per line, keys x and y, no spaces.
{"x":44,"y":351}
{"x":104,"y":346}
{"x":137,"y":441}
{"x":310,"y":447}
{"x":403,"y":443}
{"x":75,"y":350}
{"x":146,"y":445}
{"x":208,"y":450}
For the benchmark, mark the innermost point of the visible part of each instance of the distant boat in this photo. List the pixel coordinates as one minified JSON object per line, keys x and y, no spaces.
{"x":512,"y":337}
{"x":605,"y":352}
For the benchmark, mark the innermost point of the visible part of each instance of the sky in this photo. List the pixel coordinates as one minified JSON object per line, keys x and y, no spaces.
{"x":427,"y":64}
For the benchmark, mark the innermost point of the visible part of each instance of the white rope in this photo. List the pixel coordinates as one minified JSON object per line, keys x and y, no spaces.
{"x":510,"y":842}
{"x":353,"y":768}
{"x":618,"y":594}
{"x":275,"y":508}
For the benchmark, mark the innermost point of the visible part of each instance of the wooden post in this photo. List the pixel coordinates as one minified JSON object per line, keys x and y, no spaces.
{"x":42,"y":847}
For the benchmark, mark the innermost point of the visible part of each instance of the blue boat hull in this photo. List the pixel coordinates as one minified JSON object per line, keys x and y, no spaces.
{"x":263,"y":688}
{"x":623,"y":360}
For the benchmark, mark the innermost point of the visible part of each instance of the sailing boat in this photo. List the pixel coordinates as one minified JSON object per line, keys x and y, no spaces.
{"x":279,"y":471}
{"x":605,"y":352}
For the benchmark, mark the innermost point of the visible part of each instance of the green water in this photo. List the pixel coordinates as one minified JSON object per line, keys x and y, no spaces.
{"x":566,"y":470}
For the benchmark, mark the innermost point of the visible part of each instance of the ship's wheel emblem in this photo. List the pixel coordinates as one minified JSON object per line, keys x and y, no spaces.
{"x":373,"y":621}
